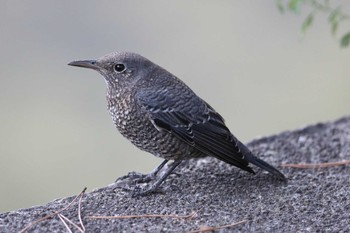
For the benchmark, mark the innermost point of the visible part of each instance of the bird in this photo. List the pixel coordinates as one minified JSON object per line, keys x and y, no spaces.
{"x":160,"y":114}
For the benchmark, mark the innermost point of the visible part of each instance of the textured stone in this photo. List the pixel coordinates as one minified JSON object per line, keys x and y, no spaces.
{"x":313,"y":200}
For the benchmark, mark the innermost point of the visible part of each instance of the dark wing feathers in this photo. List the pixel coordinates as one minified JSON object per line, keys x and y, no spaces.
{"x":194,"y":122}
{"x":214,"y":143}
{"x":179,"y":111}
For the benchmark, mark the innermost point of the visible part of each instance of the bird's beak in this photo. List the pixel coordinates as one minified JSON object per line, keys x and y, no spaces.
{"x":91,"y":64}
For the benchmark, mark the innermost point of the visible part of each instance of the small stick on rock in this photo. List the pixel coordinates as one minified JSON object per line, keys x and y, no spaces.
{"x":190,"y":216}
{"x":207,"y":228}
{"x":317,"y":165}
{"x":53,"y":214}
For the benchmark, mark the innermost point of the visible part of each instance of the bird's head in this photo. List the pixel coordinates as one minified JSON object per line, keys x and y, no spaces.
{"x":119,"y":69}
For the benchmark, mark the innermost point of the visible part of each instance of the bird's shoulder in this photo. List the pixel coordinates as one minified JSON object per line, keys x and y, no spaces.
{"x":164,"y":92}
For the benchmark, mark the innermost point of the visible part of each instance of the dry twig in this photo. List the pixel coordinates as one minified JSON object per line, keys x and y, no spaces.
{"x":190,"y":216}
{"x":207,"y":228}
{"x":71,"y":222}
{"x":317,"y":165}
{"x":79,"y":212}
{"x":53,"y":214}
{"x":64,"y":222}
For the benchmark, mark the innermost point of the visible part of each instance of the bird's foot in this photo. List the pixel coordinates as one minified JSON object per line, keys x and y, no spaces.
{"x":141,"y":178}
{"x":136,"y":190}
{"x":142,"y":190}
{"x":137,"y":177}
{"x":141,"y":185}
{"x":138,"y":184}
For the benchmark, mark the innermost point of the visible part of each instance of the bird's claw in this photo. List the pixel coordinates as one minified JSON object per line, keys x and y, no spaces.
{"x":141,"y":178}
{"x":137,"y":177}
{"x":139,"y":191}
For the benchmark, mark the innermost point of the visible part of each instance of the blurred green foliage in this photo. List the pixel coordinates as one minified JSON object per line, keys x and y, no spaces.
{"x":334,"y":12}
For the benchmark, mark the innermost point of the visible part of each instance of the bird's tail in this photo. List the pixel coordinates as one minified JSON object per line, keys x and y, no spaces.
{"x":248,"y":155}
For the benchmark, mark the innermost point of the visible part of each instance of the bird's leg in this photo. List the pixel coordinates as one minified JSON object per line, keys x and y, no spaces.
{"x":151,"y":188}
{"x":148,"y":177}
{"x":134,"y":178}
{"x":157,"y":169}
{"x":142,"y":178}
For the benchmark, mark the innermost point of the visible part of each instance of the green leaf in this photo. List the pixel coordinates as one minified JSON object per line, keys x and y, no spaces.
{"x":294,"y":5}
{"x":334,"y":28}
{"x":307,"y":23}
{"x":280,"y":6}
{"x":334,"y":19}
{"x":334,"y":15}
{"x":345,"y":40}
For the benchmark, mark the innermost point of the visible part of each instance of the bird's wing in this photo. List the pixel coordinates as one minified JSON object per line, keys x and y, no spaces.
{"x":179,"y":111}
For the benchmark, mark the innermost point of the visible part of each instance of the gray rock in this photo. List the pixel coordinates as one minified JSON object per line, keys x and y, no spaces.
{"x":313,"y":200}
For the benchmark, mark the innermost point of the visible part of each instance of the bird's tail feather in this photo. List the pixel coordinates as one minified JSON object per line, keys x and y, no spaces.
{"x":248,"y":155}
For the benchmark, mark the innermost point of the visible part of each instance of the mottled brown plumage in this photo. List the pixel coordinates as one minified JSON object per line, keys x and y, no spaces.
{"x":160,"y":114}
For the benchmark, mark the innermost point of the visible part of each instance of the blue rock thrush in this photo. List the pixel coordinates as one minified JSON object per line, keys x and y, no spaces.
{"x":160,"y":114}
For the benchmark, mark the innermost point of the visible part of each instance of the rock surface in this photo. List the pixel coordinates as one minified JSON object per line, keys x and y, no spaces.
{"x":313,"y":200}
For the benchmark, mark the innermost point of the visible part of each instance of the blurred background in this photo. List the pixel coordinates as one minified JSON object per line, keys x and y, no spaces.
{"x":243,"y":57}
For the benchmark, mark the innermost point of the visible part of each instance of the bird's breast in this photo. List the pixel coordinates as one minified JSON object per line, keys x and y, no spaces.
{"x":136,"y":126}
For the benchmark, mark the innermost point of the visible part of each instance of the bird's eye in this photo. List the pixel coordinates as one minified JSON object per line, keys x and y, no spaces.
{"x":119,"y":67}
